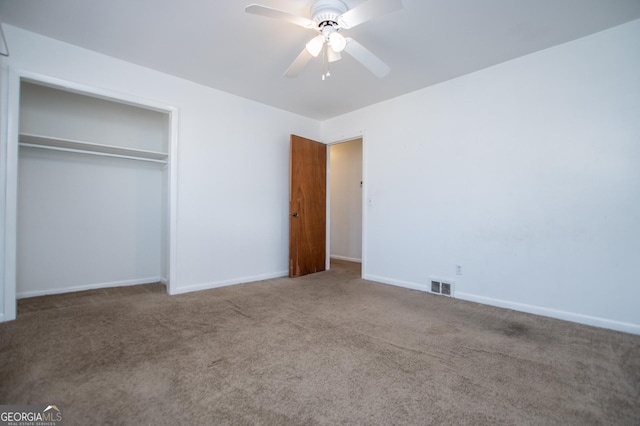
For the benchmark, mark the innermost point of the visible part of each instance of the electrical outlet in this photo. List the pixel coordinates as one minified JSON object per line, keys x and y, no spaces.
{"x":458,"y":269}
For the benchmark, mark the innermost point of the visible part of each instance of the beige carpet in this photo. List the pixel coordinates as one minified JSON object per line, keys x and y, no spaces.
{"x":323,"y":349}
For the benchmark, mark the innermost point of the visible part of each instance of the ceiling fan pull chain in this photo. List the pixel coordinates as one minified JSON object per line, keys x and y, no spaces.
{"x":325,"y":62}
{"x":324,"y":54}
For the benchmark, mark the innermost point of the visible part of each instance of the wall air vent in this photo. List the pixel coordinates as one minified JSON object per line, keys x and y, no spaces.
{"x":442,"y":287}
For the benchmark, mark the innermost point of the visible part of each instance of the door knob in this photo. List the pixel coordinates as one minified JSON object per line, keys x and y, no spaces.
{"x":295,"y":214}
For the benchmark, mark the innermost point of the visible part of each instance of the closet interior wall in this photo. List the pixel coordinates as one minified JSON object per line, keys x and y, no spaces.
{"x":92,"y":193}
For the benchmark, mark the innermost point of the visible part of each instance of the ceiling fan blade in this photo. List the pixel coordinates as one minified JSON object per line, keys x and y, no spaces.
{"x":368,"y":10}
{"x":269,"y":12}
{"x":366,"y":58}
{"x":298,"y":64}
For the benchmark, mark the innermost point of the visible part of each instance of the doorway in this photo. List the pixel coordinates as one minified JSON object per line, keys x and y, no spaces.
{"x":345,"y":233}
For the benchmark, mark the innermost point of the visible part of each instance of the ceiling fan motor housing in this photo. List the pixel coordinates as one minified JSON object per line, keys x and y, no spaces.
{"x":326,"y":12}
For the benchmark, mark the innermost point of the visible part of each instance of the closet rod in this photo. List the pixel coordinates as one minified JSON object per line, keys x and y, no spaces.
{"x":102,"y":154}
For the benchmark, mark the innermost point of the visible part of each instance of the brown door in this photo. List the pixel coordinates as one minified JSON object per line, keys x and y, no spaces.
{"x":307,"y":206}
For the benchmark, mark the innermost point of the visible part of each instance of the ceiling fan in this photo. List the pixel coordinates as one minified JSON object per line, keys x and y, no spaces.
{"x":328,"y":18}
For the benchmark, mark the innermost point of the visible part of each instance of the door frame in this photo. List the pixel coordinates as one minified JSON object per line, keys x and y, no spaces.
{"x":343,"y":139}
{"x":10,"y":121}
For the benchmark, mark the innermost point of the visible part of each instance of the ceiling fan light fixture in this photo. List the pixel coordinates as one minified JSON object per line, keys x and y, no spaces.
{"x":337,"y":42}
{"x":315,"y":46}
{"x":333,"y":56}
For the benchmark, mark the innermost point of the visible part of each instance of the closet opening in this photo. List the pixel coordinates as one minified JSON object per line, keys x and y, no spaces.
{"x":93,"y":191}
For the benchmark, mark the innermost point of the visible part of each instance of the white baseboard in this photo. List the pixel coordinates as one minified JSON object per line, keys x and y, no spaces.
{"x":348,"y":259}
{"x":225,"y":283}
{"x":397,"y":283}
{"x":522,"y":307}
{"x":34,"y":293}
{"x":553,"y":313}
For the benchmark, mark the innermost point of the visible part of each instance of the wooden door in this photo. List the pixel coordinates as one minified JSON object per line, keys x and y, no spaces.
{"x":307,"y":206}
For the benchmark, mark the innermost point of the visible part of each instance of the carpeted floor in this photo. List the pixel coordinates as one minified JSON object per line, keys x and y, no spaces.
{"x":324,"y":349}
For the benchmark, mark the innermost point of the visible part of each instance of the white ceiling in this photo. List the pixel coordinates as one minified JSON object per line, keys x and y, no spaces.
{"x":217,"y":44}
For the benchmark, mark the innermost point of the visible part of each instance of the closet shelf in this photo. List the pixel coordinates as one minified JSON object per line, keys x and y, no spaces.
{"x":59,"y":144}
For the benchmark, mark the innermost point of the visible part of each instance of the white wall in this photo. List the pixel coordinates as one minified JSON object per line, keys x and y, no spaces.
{"x":346,"y":200}
{"x":526,"y":173}
{"x":67,"y":115}
{"x":233,"y":161}
{"x":86,"y":221}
